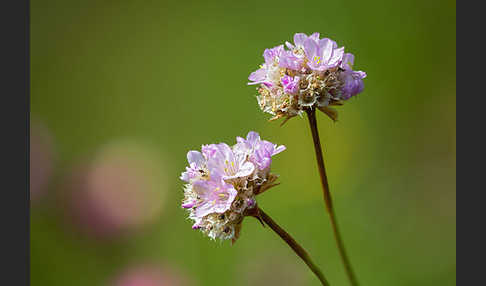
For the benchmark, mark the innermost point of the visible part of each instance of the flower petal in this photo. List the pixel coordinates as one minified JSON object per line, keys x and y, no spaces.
{"x":336,"y":58}
{"x":315,"y":36}
{"x":326,"y":49}
{"x":279,"y":149}
{"x":246,"y":169}
{"x":310,"y":49}
{"x":299,"y":39}
{"x":258,"y":76}
{"x":253,"y":136}
{"x":195,"y":157}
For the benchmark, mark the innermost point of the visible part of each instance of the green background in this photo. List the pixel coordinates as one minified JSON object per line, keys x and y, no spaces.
{"x":173,"y":75}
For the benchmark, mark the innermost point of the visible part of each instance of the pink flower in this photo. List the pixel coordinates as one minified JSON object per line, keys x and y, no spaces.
{"x":222,"y":182}
{"x":312,"y":73}
{"x":41,"y":160}
{"x":116,"y":192}
{"x":150,"y":275}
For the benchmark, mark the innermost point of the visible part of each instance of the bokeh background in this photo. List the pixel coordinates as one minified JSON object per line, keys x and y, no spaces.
{"x":121,"y":90}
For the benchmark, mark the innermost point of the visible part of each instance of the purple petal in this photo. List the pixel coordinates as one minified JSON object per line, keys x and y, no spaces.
{"x":204,"y":209}
{"x":195,"y":157}
{"x":299,"y":39}
{"x":290,"y":84}
{"x":353,"y":83}
{"x":360,"y":74}
{"x":326,"y":49}
{"x":258,"y":76}
{"x":188,"y":205}
{"x":310,"y":49}
{"x":337,"y":56}
{"x":315,"y":36}
{"x":271,"y":54}
{"x":253,"y":136}
{"x":216,"y":175}
{"x":209,"y":150}
{"x":348,"y":61}
{"x":290,"y":61}
{"x":216,"y":196}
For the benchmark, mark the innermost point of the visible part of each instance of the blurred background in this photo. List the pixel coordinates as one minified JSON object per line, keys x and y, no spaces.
{"x":121,"y":90}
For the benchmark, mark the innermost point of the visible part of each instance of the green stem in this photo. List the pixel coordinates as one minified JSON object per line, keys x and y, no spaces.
{"x":293,"y":244}
{"x":311,"y":114}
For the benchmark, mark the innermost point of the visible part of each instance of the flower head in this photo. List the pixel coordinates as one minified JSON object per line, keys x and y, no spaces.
{"x":222,"y":183}
{"x":312,"y":73}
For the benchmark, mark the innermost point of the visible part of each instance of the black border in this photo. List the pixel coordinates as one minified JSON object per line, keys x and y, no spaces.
{"x":15,"y":118}
{"x":470,"y":110}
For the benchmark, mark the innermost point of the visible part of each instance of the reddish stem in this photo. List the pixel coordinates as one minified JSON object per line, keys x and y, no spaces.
{"x":311,"y":114}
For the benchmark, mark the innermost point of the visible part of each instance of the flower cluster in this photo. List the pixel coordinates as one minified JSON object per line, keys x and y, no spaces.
{"x":222,"y":183}
{"x":312,"y":73}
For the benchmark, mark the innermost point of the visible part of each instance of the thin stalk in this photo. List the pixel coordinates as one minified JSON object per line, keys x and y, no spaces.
{"x":293,"y":244}
{"x":311,"y":114}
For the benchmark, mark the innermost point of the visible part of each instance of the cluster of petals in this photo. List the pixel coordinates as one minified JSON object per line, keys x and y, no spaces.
{"x":310,"y":73}
{"x":222,"y":182}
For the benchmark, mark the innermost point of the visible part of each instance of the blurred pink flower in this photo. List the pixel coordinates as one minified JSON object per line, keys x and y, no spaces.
{"x":41,"y":159}
{"x":118,"y":191}
{"x":150,"y":275}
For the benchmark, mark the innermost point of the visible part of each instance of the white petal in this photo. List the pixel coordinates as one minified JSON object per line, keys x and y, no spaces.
{"x":246,"y":169}
{"x":279,"y":149}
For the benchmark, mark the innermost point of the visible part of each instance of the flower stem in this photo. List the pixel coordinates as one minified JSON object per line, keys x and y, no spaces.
{"x":311,"y":114}
{"x":294,"y":245}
